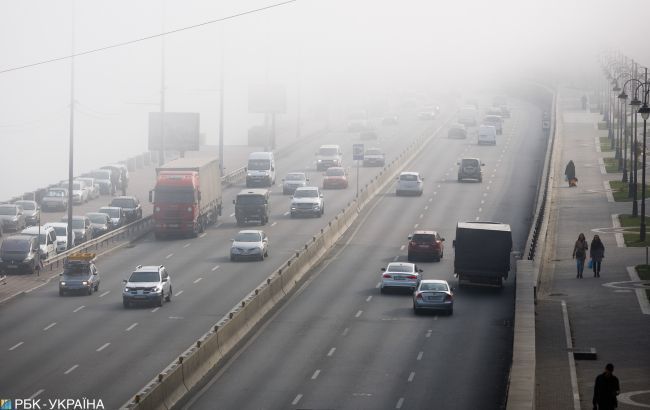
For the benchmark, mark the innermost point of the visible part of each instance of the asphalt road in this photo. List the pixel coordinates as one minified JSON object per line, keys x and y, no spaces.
{"x":89,"y":346}
{"x":339,"y":343}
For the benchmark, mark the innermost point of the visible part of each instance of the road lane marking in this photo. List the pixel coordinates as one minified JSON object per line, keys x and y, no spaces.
{"x":187,"y":245}
{"x":169,"y":256}
{"x":479,"y":210}
{"x":128,"y":329}
{"x":105,"y":293}
{"x":296,"y":400}
{"x":345,"y":331}
{"x":411,"y":376}
{"x":426,"y":207}
{"x":203,"y":235}
{"x":429,"y":332}
{"x":232,"y":214}
{"x":401,"y":248}
{"x":51,"y":325}
{"x":378,"y":284}
{"x":359,"y":313}
{"x":395,"y":258}
{"x":179,"y":293}
{"x":420,"y":356}
{"x":215,"y":268}
{"x":315,"y":375}
{"x":421,"y":216}
{"x":16,"y":346}
{"x":71,"y":369}
{"x":416,"y":226}
{"x":154,"y":310}
{"x":369,"y":298}
{"x":274,"y":223}
{"x":104,"y":346}
{"x":198,"y":280}
{"x":478,"y":219}
{"x":482,"y":202}
{"x":430,"y":199}
{"x":38,"y":393}
{"x":400,"y":402}
{"x":78,"y":309}
{"x":484,"y":193}
{"x":331,"y":352}
{"x":286,"y":213}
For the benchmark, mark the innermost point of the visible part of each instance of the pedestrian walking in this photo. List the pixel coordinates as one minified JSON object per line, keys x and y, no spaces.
{"x":580,"y":254}
{"x":596,"y":253}
{"x":570,"y":173}
{"x":606,"y":388}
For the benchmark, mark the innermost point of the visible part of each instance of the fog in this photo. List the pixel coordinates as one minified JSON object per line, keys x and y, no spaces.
{"x":337,"y":55}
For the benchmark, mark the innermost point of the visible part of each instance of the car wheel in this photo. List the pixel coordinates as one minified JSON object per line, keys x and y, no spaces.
{"x":416,"y":310}
{"x":262,"y":257}
{"x":126,"y":304}
{"x":382,"y":290}
{"x":232,"y":258}
{"x":90,"y":290}
{"x":97,"y":287}
{"x":450,"y":311}
{"x":61,"y":292}
{"x":169,"y":295}
{"x":160,"y":301}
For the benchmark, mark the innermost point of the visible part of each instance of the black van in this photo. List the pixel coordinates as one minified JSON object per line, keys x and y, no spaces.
{"x":252,"y":205}
{"x":19,"y":253}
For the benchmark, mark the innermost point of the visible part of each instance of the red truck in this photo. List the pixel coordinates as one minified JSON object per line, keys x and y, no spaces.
{"x":187,"y":196}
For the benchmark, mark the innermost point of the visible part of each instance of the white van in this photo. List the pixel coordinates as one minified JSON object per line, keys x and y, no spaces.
{"x":261,"y":169}
{"x":48,"y":240}
{"x":329,"y":156}
{"x":487,"y":134}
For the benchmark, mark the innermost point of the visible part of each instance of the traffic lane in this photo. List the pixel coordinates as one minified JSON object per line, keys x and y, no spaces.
{"x":474,"y":307}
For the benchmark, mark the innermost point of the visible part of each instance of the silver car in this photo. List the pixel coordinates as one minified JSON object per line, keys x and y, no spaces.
{"x":433,"y":294}
{"x":147,"y":284}
{"x":55,"y":199}
{"x":31,"y":210}
{"x":409,"y":183}
{"x":307,"y":201}
{"x":398,"y":275}
{"x":12,"y":217}
{"x":292,"y":181}
{"x":91,"y":186}
{"x":61,"y":230}
{"x":249,"y":244}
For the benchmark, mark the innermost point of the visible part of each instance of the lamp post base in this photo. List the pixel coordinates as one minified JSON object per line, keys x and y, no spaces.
{"x":624,"y":179}
{"x":642,"y":231}
{"x":635,"y":208}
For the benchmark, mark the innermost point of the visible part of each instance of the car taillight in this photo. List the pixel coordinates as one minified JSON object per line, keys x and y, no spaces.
{"x":386,"y":275}
{"x":412,"y":277}
{"x":412,"y":243}
{"x":448,"y":298}
{"x":418,"y":295}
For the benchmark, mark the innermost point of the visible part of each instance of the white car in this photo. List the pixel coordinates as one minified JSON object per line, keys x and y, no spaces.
{"x":47,"y":239}
{"x":402,"y":275}
{"x":307,"y":201}
{"x":409,"y":183}
{"x":494,"y":120}
{"x":91,"y":186}
{"x":61,"y":230}
{"x":79,"y":191}
{"x":249,"y":244}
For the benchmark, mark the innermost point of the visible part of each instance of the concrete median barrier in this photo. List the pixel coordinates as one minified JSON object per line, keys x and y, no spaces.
{"x":172,"y":385}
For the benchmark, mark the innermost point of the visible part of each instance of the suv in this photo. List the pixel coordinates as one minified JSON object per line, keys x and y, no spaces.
{"x":328,"y":156}
{"x":55,"y":198}
{"x":19,"y":253}
{"x":409,"y":183}
{"x":470,"y":168}
{"x":12,"y":217}
{"x":292,"y":181}
{"x":494,"y":120}
{"x":374,"y":157}
{"x":61,"y":230}
{"x":425,"y":244}
{"x":307,"y":201}
{"x":79,"y":274}
{"x":130,"y":205}
{"x":147,"y":284}
{"x":47,"y":239}
{"x":252,"y":204}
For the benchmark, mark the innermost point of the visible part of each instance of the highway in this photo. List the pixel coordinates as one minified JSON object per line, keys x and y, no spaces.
{"x":339,"y":343}
{"x":91,"y":346}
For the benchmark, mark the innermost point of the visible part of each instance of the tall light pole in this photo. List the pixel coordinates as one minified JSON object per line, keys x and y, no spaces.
{"x":162,"y":88}
{"x":221,"y":97}
{"x":71,"y":143}
{"x":645,"y":113}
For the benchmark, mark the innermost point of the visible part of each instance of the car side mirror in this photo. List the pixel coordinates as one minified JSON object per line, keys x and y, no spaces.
{"x":124,"y":281}
{"x":165,"y":279}
{"x":442,"y":239}
{"x":383,"y":269}
{"x":420,"y":270}
{"x":453,"y":243}
{"x":233,"y":201}
{"x":409,"y":237}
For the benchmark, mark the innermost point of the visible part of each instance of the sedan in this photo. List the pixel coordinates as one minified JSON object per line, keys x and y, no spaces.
{"x":100,"y":223}
{"x":31,"y":210}
{"x":249,"y":244}
{"x":12,"y":217}
{"x":130,"y":205}
{"x":81,"y":227}
{"x":433,"y":294}
{"x":402,"y":275}
{"x":409,"y":183}
{"x":292,"y":181}
{"x":335,"y":177}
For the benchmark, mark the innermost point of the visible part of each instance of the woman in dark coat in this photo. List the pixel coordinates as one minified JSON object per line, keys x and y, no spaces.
{"x":597,"y":253}
{"x":570,"y":172}
{"x":580,"y":253}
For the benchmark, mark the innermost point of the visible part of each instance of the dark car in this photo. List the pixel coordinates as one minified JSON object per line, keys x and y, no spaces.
{"x":130,"y":205}
{"x":12,"y":217}
{"x":79,"y":275}
{"x":20,"y":254}
{"x":31,"y":210}
{"x":55,"y":199}
{"x":104,"y":178}
{"x":115,"y":213}
{"x":81,"y":227}
{"x":252,"y":205}
{"x":470,"y":168}
{"x":457,"y":131}
{"x":100,"y":223}
{"x":425,"y":245}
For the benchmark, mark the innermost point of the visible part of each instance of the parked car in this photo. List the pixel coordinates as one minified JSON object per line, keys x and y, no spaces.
{"x":307,"y":201}
{"x":470,"y":168}
{"x":400,"y":275}
{"x":409,"y":183}
{"x":19,"y":254}
{"x":292,"y":181}
{"x":80,"y":275}
{"x":494,"y":120}
{"x":46,"y":239}
{"x":82,"y":228}
{"x":457,"y":131}
{"x":390,"y":120}
{"x":425,"y":245}
{"x":61,"y":230}
{"x":368,"y":135}
{"x":12,"y":217}
{"x":100,"y":223}
{"x":374,"y":157}
{"x":147,"y":284}
{"x":130,"y":205}
{"x":116,"y":176}
{"x":31,"y":210}
{"x":249,"y":244}
{"x":55,"y":199}
{"x":335,"y":177}
{"x":115,"y":213}
{"x":433,"y":294}
{"x":79,"y":191}
{"x":91,"y":186}
{"x":103,"y":178}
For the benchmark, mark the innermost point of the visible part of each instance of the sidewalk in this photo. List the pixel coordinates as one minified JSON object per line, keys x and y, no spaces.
{"x":602,"y":313}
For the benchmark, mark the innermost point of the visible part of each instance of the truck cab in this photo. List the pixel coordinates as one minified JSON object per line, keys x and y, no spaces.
{"x":252,"y":205}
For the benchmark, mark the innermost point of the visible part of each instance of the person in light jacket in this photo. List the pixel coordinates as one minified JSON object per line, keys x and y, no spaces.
{"x":596,"y":253}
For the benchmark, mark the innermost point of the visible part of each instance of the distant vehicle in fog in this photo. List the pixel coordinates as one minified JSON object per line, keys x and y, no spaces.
{"x":55,"y":199}
{"x":12,"y":217}
{"x":457,"y":130}
{"x":31,"y":210}
{"x":103,"y":179}
{"x":374,"y":157}
{"x":81,"y":227}
{"x":91,"y":185}
{"x":468,"y":115}
{"x":115,"y":213}
{"x":130,"y":205}
{"x":494,"y":120}
{"x":100,"y":223}
{"x":292,"y":181}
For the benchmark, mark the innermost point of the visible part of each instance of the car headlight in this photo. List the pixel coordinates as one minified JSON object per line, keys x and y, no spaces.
{"x":320,"y":160}
{"x":29,"y":258}
{"x":158,"y":288}
{"x":85,"y":283}
{"x":127,"y":289}
{"x":62,"y":283}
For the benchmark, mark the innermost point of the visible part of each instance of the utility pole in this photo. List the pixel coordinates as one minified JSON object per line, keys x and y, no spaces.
{"x":162,"y":89}
{"x":71,"y":143}
{"x":221,"y":97}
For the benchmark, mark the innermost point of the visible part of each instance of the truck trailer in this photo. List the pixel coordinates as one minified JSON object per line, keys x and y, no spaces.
{"x":187,"y":196}
{"x":482,"y":253}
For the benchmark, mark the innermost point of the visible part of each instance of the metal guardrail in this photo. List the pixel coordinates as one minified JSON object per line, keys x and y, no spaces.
{"x":234,"y":177}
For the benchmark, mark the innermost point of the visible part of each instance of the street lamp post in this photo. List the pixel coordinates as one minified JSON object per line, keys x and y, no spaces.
{"x":645,"y":113}
{"x":635,"y":103}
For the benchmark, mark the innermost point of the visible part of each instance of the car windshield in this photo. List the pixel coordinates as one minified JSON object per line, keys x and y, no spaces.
{"x":259,"y":164}
{"x":469,"y":163}
{"x":305,"y":193}
{"x":76,"y":223}
{"x":408,"y":177}
{"x":97,"y":218}
{"x":436,"y":287}
{"x":328,"y":151}
{"x":423,"y":238}
{"x":335,"y":172}
{"x":15,"y":245}
{"x":143,"y":276}
{"x":7,"y":210}
{"x":61,"y":230}
{"x":76,"y":186}
{"x":247,"y":237}
{"x":76,"y":269}
{"x":101,"y":174}
{"x":373,"y":152}
{"x":174,"y":196}
{"x":112,"y":212}
{"x":295,"y":177}
{"x":250,"y":200}
{"x":123,"y":203}
{"x":27,"y":205}
{"x":400,"y":268}
{"x":56,"y":193}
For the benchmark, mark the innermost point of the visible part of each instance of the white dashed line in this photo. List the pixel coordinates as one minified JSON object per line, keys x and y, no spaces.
{"x":426,"y":207}
{"x":179,"y":293}
{"x":71,"y":369}
{"x":421,"y":216}
{"x":411,"y":377}
{"x":359,"y":313}
{"x":430,"y":199}
{"x":395,"y":258}
{"x":187,"y":245}
{"x":296,"y":400}
{"x":286,"y":213}
{"x":198,"y":280}
{"x":38,"y":393}
{"x":479,"y":210}
{"x":482,"y":202}
{"x":104,"y":346}
{"x":401,"y":248}
{"x":331,"y":352}
{"x":154,"y":310}
{"x":274,"y":223}
{"x":232,"y":214}
{"x":416,"y":226}
{"x":428,"y":333}
{"x":203,"y":235}
{"x":378,"y":284}
{"x":169,"y":256}
{"x":484,"y":193}
{"x":477,"y":218}
{"x":439,"y":185}
{"x":315,"y":375}
{"x":215,"y":268}
{"x":369,"y":298}
{"x":16,"y":346}
{"x":345,"y":331}
{"x":128,"y":329}
{"x":105,"y":293}
{"x":51,"y":325}
{"x":420,"y":356}
{"x":400,"y":402}
{"x":78,"y":309}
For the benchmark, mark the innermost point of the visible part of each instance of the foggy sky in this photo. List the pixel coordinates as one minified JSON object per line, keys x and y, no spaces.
{"x":340,"y":52}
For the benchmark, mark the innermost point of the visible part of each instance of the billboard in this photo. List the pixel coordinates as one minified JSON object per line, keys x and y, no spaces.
{"x":267,"y":99}
{"x":181,"y":131}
